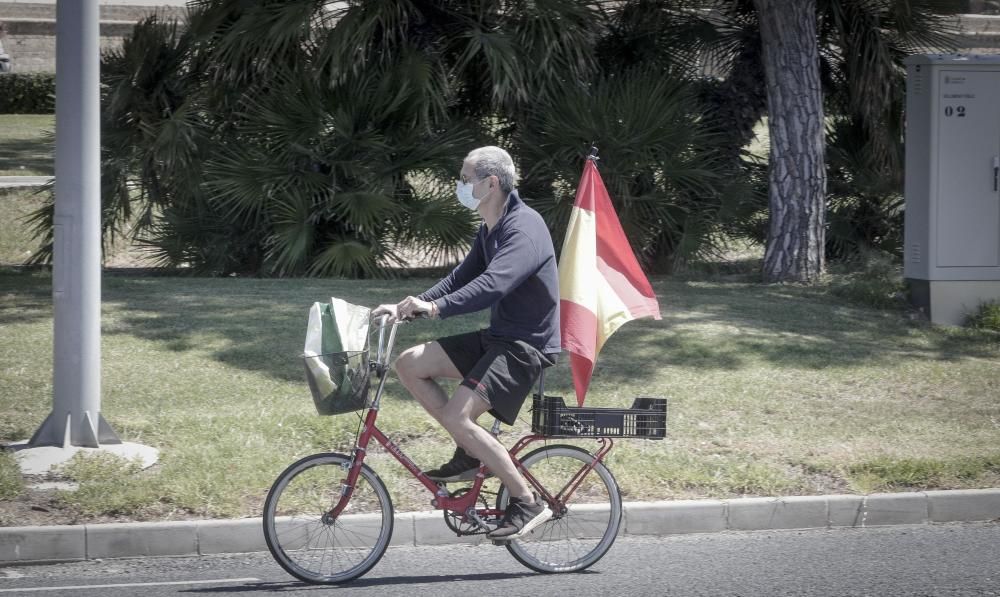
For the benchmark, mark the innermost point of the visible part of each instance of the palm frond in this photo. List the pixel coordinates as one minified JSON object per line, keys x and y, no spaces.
{"x":41,"y":222}
{"x":249,"y":40}
{"x":659,"y":160}
{"x":362,"y":210}
{"x":242,"y":182}
{"x":346,"y":257}
{"x":433,"y":222}
{"x":491,"y":56}
{"x":291,"y":243}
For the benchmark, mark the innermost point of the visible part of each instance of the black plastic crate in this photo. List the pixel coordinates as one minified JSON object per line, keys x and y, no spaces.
{"x":646,"y":419}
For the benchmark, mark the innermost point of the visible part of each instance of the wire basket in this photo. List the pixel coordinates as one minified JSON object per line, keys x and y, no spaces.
{"x":339,"y":381}
{"x":646,"y":419}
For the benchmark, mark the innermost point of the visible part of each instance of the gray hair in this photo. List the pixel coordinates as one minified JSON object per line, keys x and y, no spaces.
{"x":494,"y":161}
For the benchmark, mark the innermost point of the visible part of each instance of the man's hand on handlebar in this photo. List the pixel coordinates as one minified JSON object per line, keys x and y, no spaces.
{"x":389,"y":310}
{"x":407,"y":309}
{"x":411,"y":307}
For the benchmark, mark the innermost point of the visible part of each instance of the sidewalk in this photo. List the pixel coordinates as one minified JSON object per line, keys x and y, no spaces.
{"x":17,"y":182}
{"x":203,"y":537}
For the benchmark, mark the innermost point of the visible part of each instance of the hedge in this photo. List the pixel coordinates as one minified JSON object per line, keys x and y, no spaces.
{"x":27,"y":93}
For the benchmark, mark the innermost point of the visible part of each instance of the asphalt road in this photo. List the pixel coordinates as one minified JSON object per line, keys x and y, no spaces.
{"x":934,"y":560}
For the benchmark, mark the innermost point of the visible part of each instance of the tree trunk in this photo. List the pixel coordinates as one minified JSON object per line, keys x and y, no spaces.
{"x":797,"y":181}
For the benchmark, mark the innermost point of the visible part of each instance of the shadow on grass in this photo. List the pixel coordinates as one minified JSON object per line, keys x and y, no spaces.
{"x":24,"y":298}
{"x":259,"y":325}
{"x":34,"y":156}
{"x":726,"y":326}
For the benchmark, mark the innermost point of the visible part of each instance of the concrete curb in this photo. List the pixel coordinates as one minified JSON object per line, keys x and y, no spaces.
{"x":202,"y":537}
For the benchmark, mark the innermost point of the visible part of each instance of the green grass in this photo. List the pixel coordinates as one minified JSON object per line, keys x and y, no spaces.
{"x":109,"y":485}
{"x":885,"y":474}
{"x":17,"y":243}
{"x":986,"y":317}
{"x":773,"y":390}
{"x":871,"y":279}
{"x":23,"y":147}
{"x":11,"y":483}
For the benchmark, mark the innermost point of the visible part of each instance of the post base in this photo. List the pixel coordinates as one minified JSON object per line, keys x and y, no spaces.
{"x":57,"y":432}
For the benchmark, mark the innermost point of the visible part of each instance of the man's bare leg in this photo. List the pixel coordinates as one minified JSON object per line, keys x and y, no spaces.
{"x":459,"y":418}
{"x":418,"y":367}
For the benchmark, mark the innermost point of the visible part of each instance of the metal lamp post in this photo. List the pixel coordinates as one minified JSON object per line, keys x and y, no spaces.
{"x":76,"y":418}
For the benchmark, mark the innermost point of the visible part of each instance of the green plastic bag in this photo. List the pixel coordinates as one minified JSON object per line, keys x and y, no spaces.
{"x":336,"y":356}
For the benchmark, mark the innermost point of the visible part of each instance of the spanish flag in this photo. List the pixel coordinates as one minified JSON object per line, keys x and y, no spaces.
{"x":601,"y":285}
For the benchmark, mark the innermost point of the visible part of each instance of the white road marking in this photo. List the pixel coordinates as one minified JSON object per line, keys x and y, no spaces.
{"x":131,"y":584}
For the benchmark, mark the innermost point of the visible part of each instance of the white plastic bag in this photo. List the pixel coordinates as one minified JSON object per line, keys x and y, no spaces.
{"x":335,"y":356}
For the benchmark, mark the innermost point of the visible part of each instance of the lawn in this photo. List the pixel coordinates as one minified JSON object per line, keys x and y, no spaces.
{"x":23,"y":152}
{"x":773,"y":390}
{"x":17,"y":243}
{"x":23,"y":147}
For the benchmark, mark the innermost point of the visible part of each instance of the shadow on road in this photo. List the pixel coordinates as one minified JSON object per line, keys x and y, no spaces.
{"x":364,"y":582}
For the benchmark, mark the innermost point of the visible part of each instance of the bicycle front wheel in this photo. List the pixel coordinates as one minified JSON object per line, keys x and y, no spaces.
{"x":302,"y":537}
{"x":586,"y":526}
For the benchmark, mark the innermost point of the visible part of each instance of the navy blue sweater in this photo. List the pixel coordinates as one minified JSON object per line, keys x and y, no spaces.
{"x":512,"y":270}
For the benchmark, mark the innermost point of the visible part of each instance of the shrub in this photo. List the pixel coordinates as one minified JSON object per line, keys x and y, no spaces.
{"x":27,"y":93}
{"x":987,"y":317}
{"x":872,"y":279}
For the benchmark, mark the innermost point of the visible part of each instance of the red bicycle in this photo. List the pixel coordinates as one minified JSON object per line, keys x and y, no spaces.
{"x":328,"y":518}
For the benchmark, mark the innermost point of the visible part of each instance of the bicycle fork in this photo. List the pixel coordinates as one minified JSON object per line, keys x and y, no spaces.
{"x":353,"y":467}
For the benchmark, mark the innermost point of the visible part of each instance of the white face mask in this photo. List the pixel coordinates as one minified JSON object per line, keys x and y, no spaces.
{"x":465,"y":196}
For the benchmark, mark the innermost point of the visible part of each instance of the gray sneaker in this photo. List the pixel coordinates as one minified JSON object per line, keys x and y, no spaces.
{"x":520,"y":518}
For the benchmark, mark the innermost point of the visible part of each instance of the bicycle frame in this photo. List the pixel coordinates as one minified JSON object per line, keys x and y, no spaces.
{"x":465,"y":503}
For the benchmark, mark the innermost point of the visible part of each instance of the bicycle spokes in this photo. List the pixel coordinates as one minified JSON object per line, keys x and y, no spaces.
{"x":587,"y":521}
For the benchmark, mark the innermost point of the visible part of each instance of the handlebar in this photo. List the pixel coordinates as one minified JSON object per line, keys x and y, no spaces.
{"x":383,"y":351}
{"x":385,"y":345}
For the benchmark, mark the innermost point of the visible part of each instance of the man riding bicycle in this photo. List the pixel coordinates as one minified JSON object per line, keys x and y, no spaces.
{"x":512,"y":270}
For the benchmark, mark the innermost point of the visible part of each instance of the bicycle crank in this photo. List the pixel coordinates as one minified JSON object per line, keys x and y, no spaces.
{"x":467,"y":523}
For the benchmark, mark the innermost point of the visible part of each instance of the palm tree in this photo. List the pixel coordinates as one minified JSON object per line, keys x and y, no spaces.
{"x":797,"y":184}
{"x":323,"y":137}
{"x":310,"y":137}
{"x":306,"y":137}
{"x":665,"y":168}
{"x":861,"y":45}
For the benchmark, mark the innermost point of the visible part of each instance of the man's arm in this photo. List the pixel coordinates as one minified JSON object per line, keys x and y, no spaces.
{"x":516,"y":259}
{"x":464,"y":272}
{"x":467,"y":270}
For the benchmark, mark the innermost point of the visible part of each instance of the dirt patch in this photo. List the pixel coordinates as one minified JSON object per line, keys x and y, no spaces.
{"x":31,"y":508}
{"x":43,"y":507}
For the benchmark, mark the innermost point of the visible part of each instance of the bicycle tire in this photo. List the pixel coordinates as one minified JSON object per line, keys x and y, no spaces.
{"x":577,"y":538}
{"x":315,"y":550}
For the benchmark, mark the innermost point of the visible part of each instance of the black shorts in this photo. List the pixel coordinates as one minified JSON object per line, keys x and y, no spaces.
{"x":500,"y":370}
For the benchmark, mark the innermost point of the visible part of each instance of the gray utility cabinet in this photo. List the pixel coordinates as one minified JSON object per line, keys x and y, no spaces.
{"x":952,"y":228}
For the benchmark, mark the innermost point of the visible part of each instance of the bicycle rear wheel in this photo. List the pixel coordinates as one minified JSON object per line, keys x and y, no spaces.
{"x":302,"y":538}
{"x":584,"y":530}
